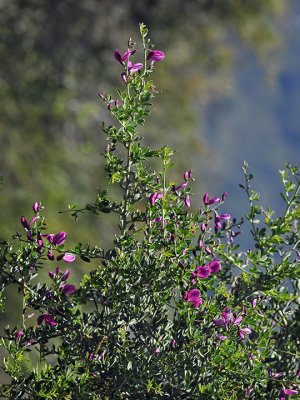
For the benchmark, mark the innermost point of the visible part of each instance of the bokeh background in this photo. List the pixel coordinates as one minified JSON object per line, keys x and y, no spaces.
{"x":229,"y":91}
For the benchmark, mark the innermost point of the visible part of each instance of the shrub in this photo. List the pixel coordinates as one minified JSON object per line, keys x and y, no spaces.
{"x":176,"y":309}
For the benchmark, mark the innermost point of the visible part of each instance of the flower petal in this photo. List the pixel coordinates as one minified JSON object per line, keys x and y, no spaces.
{"x":69,"y":258}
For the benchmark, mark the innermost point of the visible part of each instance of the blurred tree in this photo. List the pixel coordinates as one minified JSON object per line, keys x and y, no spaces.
{"x":56,"y":54}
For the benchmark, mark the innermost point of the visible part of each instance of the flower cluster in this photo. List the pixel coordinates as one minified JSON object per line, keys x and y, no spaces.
{"x":204,"y":271}
{"x":61,"y":277}
{"x":35,"y":237}
{"x":130,"y":67}
{"x":228,"y":319}
{"x":193,"y":296}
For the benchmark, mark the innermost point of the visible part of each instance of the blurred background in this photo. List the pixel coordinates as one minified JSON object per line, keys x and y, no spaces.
{"x":229,"y":91}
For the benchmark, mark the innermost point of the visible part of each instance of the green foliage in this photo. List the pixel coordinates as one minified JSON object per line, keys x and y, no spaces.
{"x":175,"y":309}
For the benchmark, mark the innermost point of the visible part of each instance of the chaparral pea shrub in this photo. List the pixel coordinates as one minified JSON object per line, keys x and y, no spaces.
{"x":175,"y":309}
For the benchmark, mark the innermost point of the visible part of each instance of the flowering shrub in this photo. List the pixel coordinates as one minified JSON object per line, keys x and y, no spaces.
{"x":175,"y":309}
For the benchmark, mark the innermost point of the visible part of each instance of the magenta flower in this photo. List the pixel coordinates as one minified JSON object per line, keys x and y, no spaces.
{"x":225,"y":318}
{"x":40,"y":240}
{"x":254,"y":302}
{"x":237,"y":321}
{"x":214,"y":266}
{"x":123,"y":58}
{"x":134,"y":67}
{"x":36,"y":207}
{"x":207,"y":250}
{"x":243,"y":331}
{"x":203,"y":228}
{"x":25,"y":223}
{"x":187,"y":175}
{"x":203,"y":271}
{"x":50,"y":237}
{"x":123,"y":77}
{"x":59,"y":238}
{"x":51,"y":274}
{"x":69,"y":258}
{"x":153,"y":198}
{"x":187,"y":201}
{"x":50,"y":255}
{"x":68,"y":289}
{"x":207,"y":201}
{"x":20,"y":333}
{"x":32,"y":221}
{"x":66,"y":275}
{"x":156,"y":55}
{"x":173,"y":343}
{"x":193,"y":296}
{"x":182,"y":186}
{"x":47,"y":318}
{"x":287,"y":392}
{"x":224,"y":216}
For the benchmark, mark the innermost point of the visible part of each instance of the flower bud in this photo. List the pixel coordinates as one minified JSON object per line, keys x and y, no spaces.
{"x":156,"y":55}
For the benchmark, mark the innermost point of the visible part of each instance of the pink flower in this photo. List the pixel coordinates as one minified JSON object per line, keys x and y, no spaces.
{"x":68,"y":289}
{"x":123,"y":77}
{"x":187,"y":175}
{"x":24,"y":223}
{"x":287,"y":392}
{"x":156,"y":55}
{"x":123,"y":58}
{"x":237,"y":321}
{"x":66,"y":275}
{"x":224,"y":216}
{"x":214,"y":266}
{"x":203,"y":271}
{"x":181,"y":186}
{"x":47,"y":318}
{"x":60,"y":238}
{"x":187,"y":201}
{"x":32,"y":221}
{"x":40,"y":240}
{"x":207,"y":201}
{"x":134,"y":67}
{"x":20,"y":333}
{"x":153,"y":198}
{"x":203,"y":228}
{"x":57,"y":239}
{"x":193,"y":296}
{"x":36,"y":207}
{"x":243,"y":331}
{"x":69,"y":258}
{"x":225,"y":318}
{"x":254,"y":302}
